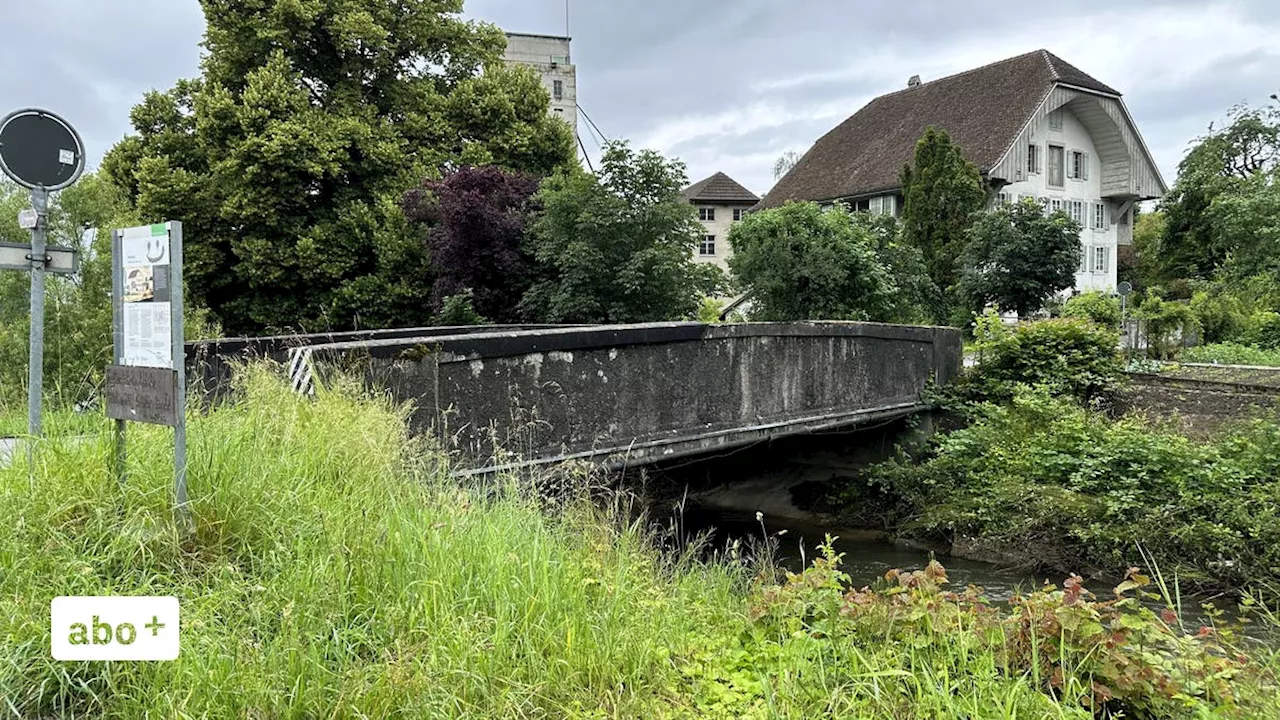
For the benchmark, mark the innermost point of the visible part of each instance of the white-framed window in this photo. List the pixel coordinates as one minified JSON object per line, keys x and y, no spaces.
{"x":1003,"y":199}
{"x":1055,"y":120}
{"x":1034,"y":164}
{"x":1055,"y":205}
{"x":708,"y":246}
{"x":1100,"y":219}
{"x":557,"y":89}
{"x":1078,"y":165}
{"x":1076,"y":210}
{"x":1024,"y":196}
{"x":739,"y":213}
{"x":1100,"y":257}
{"x":707,"y":214}
{"x":1057,"y":169}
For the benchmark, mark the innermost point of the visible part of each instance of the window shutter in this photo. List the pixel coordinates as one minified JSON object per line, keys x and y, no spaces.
{"x":1106,"y":260}
{"x":1084,"y":258}
{"x":1086,"y":167}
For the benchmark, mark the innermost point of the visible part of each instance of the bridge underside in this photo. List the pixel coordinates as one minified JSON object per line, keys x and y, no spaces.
{"x":618,"y":396}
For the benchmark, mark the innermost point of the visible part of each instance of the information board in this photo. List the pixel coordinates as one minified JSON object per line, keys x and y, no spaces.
{"x":147,"y":314}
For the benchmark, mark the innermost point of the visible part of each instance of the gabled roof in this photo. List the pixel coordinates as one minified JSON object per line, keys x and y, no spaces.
{"x":983,"y":110}
{"x":719,"y":188}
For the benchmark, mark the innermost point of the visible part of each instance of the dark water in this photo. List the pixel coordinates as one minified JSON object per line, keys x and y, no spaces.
{"x":865,"y":559}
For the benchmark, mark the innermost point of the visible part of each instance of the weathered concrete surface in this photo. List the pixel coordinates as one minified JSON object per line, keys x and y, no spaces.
{"x":630,"y":395}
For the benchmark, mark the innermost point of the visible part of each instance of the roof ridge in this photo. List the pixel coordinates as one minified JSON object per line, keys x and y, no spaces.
{"x":970,"y":71}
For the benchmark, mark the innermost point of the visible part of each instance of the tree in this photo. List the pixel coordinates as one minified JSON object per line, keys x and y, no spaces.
{"x":799,"y":262}
{"x":475,"y":225}
{"x":784,"y":163}
{"x":1017,"y":258}
{"x":1220,"y":165}
{"x":288,"y":158}
{"x":942,"y":191}
{"x":1248,"y":221}
{"x":916,"y":294}
{"x":617,"y":246}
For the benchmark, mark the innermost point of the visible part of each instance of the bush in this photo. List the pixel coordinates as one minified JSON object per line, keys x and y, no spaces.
{"x":1068,"y":356}
{"x":1168,"y":325}
{"x":1264,"y":330}
{"x":1221,"y":317}
{"x":1074,"y":490}
{"x":1098,"y":307}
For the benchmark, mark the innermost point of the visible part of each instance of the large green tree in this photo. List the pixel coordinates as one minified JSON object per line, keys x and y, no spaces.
{"x":1220,"y":165}
{"x":1017,"y":258}
{"x":617,"y":246}
{"x":799,"y":262}
{"x":942,"y":191}
{"x":287,"y":159}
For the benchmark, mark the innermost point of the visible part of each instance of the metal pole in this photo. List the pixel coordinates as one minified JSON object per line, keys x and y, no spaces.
{"x":35,"y":365}
{"x":117,"y":330}
{"x":180,"y":374}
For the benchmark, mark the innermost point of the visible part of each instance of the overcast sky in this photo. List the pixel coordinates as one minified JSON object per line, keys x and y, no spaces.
{"x":723,"y":84}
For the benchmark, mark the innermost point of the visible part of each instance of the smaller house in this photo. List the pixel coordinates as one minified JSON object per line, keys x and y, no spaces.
{"x":721,"y":202}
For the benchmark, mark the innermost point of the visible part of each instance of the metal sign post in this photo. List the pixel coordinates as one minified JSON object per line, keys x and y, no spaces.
{"x":147,"y":382}
{"x":42,"y":152}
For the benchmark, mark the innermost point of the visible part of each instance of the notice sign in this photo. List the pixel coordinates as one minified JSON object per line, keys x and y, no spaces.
{"x":147,"y":313}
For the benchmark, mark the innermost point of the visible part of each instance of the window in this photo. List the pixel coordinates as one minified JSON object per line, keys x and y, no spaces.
{"x":1055,"y":120}
{"x":876,"y":206}
{"x":1076,"y":208}
{"x":1023,"y":197}
{"x":1100,"y":259}
{"x":707,"y":214}
{"x":1033,"y":158}
{"x":557,"y":89}
{"x":707,"y":246}
{"x":1100,"y":217}
{"x":739,"y":213}
{"x":1055,"y":205}
{"x":1003,"y":199}
{"x":1057,"y":158}
{"x":1079,"y":167}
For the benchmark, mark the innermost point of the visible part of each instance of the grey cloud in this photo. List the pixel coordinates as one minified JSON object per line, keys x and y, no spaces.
{"x":643,"y":67}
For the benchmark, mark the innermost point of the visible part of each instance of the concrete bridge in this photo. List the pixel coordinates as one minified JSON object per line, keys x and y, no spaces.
{"x":511,"y":397}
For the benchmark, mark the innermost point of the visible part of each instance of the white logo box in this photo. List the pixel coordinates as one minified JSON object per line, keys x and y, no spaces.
{"x":114,"y":628}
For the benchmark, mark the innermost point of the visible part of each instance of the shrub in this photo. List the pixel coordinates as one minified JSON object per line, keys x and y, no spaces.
{"x":1221,"y":317}
{"x":1073,"y":489}
{"x":1098,"y":307}
{"x":1264,"y":330}
{"x":1068,"y":356}
{"x":1168,"y":325}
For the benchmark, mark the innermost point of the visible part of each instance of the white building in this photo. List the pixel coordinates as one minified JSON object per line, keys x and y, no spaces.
{"x":549,"y":56}
{"x":721,"y":202}
{"x":1034,"y":125}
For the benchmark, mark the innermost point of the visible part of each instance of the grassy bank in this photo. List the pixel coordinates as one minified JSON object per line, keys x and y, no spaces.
{"x":335,"y":571}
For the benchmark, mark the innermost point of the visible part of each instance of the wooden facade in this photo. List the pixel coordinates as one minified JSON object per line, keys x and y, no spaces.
{"x":1128,"y":171}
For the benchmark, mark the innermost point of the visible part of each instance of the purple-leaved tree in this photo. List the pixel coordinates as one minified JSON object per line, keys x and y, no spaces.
{"x":475,"y":221}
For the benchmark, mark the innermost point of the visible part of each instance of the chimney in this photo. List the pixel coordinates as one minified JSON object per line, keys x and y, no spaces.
{"x":914,"y":81}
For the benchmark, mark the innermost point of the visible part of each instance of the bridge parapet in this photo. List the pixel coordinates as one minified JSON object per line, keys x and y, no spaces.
{"x":635,"y":394}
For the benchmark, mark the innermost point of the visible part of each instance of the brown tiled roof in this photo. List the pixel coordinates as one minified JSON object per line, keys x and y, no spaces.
{"x":983,"y":110}
{"x":719,"y":188}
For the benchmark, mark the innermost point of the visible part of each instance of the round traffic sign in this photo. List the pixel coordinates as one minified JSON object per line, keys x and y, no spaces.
{"x":40,"y":150}
{"x":1124,"y":289}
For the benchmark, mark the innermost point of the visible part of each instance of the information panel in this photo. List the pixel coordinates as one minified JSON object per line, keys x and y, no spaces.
{"x":147,"y":317}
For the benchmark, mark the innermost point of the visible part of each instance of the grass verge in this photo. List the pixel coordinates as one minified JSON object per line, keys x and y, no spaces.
{"x":335,"y":571}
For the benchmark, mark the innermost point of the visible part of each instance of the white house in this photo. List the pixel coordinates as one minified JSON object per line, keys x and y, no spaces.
{"x":1034,"y":125}
{"x":721,"y":202}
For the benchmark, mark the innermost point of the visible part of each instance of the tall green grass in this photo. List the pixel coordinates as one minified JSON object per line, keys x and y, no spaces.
{"x":1231,"y":354}
{"x":336,"y":571}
